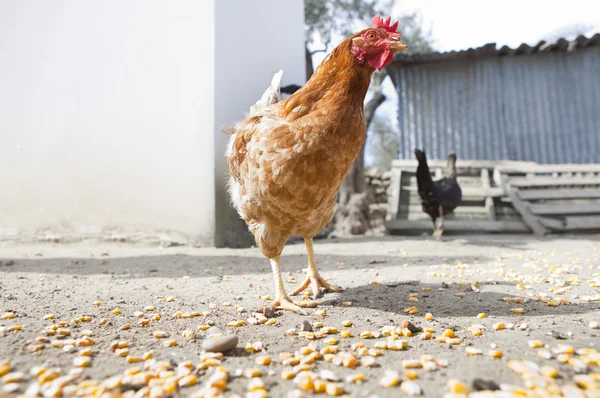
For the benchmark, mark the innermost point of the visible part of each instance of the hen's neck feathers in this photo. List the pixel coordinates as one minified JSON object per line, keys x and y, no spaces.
{"x":341,"y":79}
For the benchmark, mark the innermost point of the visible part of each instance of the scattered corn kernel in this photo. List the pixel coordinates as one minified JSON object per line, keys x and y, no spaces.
{"x":263,"y":360}
{"x":457,"y":387}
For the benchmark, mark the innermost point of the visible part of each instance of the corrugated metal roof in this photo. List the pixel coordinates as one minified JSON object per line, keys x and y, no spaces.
{"x":491,"y":49}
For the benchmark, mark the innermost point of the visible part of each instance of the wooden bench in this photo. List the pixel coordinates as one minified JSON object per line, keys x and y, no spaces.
{"x":484,"y":207}
{"x":554,"y":198}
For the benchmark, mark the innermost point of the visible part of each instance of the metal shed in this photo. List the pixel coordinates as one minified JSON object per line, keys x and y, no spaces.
{"x":539,"y":103}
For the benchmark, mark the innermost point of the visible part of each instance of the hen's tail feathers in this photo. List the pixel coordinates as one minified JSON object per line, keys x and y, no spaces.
{"x":227,"y":129}
{"x":270,"y":96}
{"x":423,"y":173}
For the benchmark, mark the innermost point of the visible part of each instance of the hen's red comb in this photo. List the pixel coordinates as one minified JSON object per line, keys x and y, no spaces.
{"x":379,"y":22}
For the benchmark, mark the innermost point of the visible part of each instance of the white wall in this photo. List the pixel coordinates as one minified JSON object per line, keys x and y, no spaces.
{"x":108,"y":112}
{"x":254,"y":40}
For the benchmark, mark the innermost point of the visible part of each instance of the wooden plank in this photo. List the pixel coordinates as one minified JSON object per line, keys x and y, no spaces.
{"x":490,"y":209}
{"x":494,"y":192}
{"x":464,"y":164}
{"x":554,"y":224}
{"x":394,"y":198}
{"x":558,"y":168}
{"x":572,"y":223}
{"x":522,"y":207}
{"x":560,"y":193}
{"x":416,"y":208}
{"x":578,"y":222}
{"x":524,"y":182}
{"x":459,"y":225}
{"x":564,"y":209}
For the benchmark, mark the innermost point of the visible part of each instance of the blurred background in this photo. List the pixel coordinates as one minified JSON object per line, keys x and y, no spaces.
{"x":108,"y":110}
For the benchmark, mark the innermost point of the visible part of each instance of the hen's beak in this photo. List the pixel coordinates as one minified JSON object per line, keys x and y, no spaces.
{"x":397,"y":45}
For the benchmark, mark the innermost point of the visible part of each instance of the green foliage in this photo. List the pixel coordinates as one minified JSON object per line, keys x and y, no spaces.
{"x":382,"y":143}
{"x":327,"y":18}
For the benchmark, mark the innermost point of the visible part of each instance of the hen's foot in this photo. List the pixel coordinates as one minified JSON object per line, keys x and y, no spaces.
{"x":438,"y":233}
{"x":317,"y":285}
{"x":291,"y":305}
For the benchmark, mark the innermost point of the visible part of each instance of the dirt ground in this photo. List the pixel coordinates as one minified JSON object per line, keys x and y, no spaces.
{"x":65,"y":280}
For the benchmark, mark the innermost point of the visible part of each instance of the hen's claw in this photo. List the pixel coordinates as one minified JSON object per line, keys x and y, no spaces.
{"x":295,"y":306}
{"x":317,"y":285}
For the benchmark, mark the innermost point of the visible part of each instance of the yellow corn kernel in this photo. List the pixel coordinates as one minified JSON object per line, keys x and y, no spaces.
{"x":334,"y":389}
{"x":15,"y":328}
{"x":287,"y":375}
{"x":132,"y":359}
{"x":535,"y":344}
{"x":549,"y":371}
{"x":518,"y":310}
{"x":306,"y":384}
{"x":170,"y":343}
{"x":263,"y":360}
{"x":144,"y":322}
{"x":187,"y":334}
{"x":4,"y":367}
{"x":481,"y":315}
{"x":102,"y":321}
{"x":457,"y":387}
{"x":116,"y":311}
{"x":454,"y":341}
{"x":122,"y":352}
{"x":319,"y":386}
{"x":411,"y":375}
{"x":429,"y":316}
{"x":390,"y":379}
{"x":471,"y":351}
{"x":498,"y":326}
{"x":96,"y":303}
{"x":346,"y":333}
{"x":187,"y":381}
{"x":82,"y":362}
{"x":495,"y":354}
{"x":412,"y":364}
{"x":203,"y":327}
{"x":350,"y":362}
{"x":159,"y":334}
{"x":48,"y":317}
{"x":347,"y":324}
{"x":320,"y":312}
{"x":448,"y":333}
{"x":331,"y":341}
{"x":126,"y":326}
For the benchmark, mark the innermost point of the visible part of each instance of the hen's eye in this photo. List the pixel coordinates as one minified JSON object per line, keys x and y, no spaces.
{"x":371,"y":36}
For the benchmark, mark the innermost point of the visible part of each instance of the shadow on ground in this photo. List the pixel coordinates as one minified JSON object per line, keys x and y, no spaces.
{"x":176,"y":266}
{"x":444,"y":302}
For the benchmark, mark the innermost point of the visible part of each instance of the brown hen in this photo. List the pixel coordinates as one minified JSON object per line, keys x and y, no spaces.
{"x":288,"y":159}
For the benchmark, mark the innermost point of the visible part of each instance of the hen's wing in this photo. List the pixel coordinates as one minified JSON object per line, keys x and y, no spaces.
{"x":447,"y":192}
{"x":270,"y":96}
{"x":242,"y":133}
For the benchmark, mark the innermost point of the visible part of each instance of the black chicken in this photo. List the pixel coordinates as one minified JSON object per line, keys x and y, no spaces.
{"x":438,"y":197}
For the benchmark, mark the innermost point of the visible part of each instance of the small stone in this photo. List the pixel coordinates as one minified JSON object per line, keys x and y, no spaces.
{"x":485,"y":385}
{"x":306,"y":327}
{"x":558,"y":335}
{"x":220,"y":344}
{"x":268,"y":311}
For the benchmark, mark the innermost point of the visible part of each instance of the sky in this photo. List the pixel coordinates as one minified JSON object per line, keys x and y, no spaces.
{"x":460,"y":24}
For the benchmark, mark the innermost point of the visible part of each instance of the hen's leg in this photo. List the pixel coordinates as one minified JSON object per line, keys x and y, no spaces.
{"x":282,"y":301}
{"x":314,"y":278}
{"x":439,"y":228}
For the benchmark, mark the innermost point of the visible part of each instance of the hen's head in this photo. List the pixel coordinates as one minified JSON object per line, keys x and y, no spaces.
{"x":378,"y":44}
